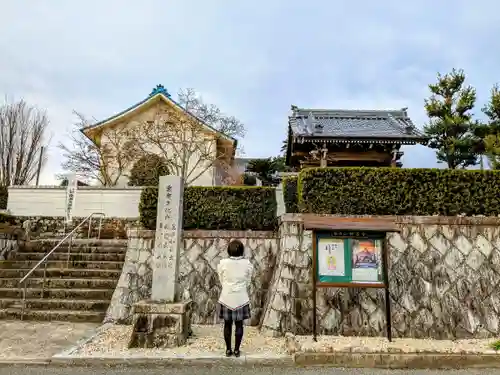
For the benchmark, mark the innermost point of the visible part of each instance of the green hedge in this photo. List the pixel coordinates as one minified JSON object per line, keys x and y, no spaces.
{"x":391,"y":191}
{"x":7,"y":219}
{"x":4,"y":196}
{"x":290,"y":194}
{"x":233,"y":208}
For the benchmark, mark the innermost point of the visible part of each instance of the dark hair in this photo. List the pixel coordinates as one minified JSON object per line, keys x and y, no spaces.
{"x":235,"y":249}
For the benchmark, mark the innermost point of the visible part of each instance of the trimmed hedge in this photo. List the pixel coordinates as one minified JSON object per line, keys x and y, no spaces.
{"x":290,"y":194}
{"x":391,"y":191}
{"x":4,"y":196}
{"x":233,"y":208}
{"x":7,"y":219}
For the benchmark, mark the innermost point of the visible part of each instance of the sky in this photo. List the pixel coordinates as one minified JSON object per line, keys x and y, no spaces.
{"x":253,"y":59}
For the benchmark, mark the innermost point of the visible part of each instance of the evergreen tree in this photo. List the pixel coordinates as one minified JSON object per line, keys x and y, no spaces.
{"x":451,"y":126}
{"x":489,"y":133}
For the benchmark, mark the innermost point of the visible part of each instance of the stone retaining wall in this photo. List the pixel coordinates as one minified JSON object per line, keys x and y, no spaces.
{"x":444,"y":280}
{"x":444,"y":277}
{"x":54,"y":226}
{"x":200,"y":255}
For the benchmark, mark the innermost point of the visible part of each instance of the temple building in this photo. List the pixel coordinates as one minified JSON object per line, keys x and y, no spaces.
{"x":349,"y":138}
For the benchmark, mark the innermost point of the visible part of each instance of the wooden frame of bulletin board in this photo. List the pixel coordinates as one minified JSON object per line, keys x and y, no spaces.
{"x":350,"y":253}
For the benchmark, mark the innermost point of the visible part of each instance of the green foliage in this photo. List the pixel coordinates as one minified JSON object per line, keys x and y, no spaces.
{"x":290,"y":194}
{"x":492,"y":150}
{"x":392,"y":191}
{"x":4,"y":196}
{"x":248,"y":179}
{"x":148,"y":170}
{"x":495,"y":345}
{"x":7,"y":219}
{"x":266,"y":168}
{"x":451,"y":127}
{"x":233,"y":208}
{"x":489,"y":133}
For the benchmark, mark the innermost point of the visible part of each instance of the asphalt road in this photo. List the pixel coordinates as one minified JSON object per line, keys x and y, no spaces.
{"x":230,"y":371}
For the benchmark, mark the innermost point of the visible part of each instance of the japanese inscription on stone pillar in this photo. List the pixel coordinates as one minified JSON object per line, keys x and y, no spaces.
{"x":168,"y":238}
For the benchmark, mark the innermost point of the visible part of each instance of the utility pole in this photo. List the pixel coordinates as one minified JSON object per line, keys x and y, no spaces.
{"x":39,"y":166}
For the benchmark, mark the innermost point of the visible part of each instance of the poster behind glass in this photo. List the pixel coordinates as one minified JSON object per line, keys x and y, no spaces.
{"x":366,"y":261}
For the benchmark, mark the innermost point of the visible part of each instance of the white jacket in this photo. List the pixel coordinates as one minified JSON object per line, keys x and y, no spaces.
{"x":235,"y":275}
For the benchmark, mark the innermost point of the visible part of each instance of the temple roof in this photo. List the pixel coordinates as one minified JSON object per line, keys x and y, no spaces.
{"x":383,"y":125}
{"x":158,"y":92}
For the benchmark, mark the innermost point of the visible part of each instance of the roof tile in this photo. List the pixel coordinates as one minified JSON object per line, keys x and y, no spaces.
{"x":353,"y":124}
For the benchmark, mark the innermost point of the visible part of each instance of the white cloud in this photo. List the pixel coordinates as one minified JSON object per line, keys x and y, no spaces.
{"x":253,"y":59}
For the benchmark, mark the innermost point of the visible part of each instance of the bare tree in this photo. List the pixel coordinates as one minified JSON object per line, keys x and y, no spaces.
{"x":22,"y":131}
{"x":189,"y":146}
{"x":210,"y":114}
{"x":105,"y":160}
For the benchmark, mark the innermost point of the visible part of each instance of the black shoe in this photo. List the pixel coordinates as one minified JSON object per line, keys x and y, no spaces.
{"x":237,"y":353}
{"x":229,"y":353}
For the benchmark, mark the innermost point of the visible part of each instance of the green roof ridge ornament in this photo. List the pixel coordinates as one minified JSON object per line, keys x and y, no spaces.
{"x":160,"y":89}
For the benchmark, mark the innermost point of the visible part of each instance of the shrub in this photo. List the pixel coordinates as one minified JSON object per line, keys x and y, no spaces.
{"x":234,"y":208}
{"x":147,"y":171}
{"x":248,"y":179}
{"x":391,"y":191}
{"x":7,"y":219}
{"x":290,"y":194}
{"x":4,"y":196}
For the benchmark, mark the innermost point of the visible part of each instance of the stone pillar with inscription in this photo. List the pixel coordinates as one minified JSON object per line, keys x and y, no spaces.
{"x":165,"y":320}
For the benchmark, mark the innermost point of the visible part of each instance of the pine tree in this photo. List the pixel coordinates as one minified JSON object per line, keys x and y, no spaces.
{"x":451,"y":126}
{"x":489,"y":133}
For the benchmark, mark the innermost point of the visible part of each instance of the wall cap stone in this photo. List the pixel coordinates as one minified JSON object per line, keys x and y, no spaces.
{"x":416,"y":220}
{"x":63,"y":188}
{"x":197,"y":233}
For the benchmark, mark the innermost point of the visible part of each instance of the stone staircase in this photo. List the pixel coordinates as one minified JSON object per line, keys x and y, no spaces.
{"x":76,"y":292}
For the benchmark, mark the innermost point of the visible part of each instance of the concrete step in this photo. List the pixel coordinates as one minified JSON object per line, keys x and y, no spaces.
{"x":54,"y":304}
{"x":90,"y":294}
{"x":55,"y":315}
{"x":79,"y":250}
{"x":60,"y":283}
{"x":46,"y":246}
{"x":63,"y":273}
{"x":113,"y":257}
{"x":77,"y":264}
{"x":79,"y":242}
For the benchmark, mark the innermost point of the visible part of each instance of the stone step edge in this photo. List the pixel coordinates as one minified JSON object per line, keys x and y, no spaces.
{"x":17,"y":310}
{"x":59,"y":289}
{"x":58,"y":278}
{"x":70,"y":269}
{"x":55,"y":300}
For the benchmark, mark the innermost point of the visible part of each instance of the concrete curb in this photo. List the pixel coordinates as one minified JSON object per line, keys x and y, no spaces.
{"x":398,"y":360}
{"x":208,"y":361}
{"x":25,"y":362}
{"x":338,"y":359}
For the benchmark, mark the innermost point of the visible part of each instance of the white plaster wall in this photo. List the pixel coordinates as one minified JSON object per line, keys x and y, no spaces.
{"x":51,"y":200}
{"x":200,"y":170}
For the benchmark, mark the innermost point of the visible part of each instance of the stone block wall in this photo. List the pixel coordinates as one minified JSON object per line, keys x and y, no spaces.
{"x":10,"y":241}
{"x":444,"y":279}
{"x":38,"y":227}
{"x":201,"y":253}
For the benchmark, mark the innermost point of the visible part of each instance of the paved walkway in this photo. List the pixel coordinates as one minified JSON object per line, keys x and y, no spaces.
{"x":39,"y":340}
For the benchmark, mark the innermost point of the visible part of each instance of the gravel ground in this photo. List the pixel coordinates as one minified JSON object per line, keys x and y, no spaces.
{"x":112,"y":342}
{"x":381,"y":345}
{"x":25,"y":339}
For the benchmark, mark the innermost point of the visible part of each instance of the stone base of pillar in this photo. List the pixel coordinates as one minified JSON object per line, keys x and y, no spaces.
{"x":158,"y":324}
